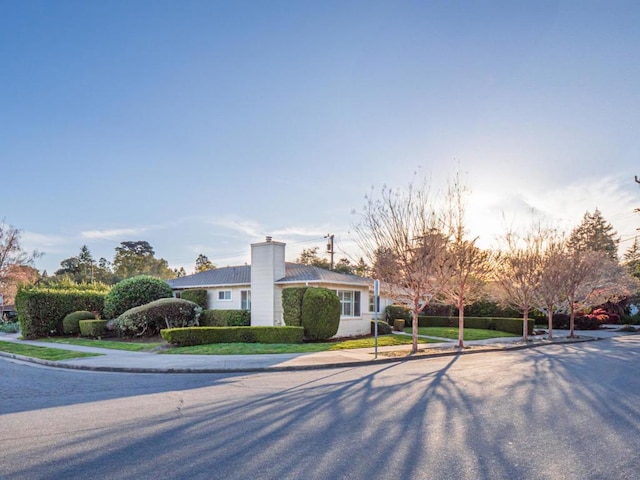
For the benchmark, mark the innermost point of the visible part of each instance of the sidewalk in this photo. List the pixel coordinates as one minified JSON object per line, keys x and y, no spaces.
{"x":145,"y":362}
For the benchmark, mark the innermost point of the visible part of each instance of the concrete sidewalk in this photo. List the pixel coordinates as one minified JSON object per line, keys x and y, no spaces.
{"x":148,"y":362}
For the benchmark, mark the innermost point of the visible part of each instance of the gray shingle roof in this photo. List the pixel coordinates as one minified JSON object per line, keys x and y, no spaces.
{"x":294,"y":272}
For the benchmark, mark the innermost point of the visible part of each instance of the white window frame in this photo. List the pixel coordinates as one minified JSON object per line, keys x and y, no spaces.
{"x":351,"y":308}
{"x":223,"y":297}
{"x":371,"y":300}
{"x":245,"y":300}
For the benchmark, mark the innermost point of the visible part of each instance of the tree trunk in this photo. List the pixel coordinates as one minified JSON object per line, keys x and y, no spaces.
{"x":414,"y":329}
{"x":525,"y":325}
{"x":460,"y":325}
{"x":550,"y":317}
{"x":572,"y":320}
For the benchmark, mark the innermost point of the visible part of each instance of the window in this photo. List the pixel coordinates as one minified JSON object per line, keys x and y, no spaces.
{"x":349,"y":303}
{"x":245,"y":299}
{"x":371,"y":300}
{"x":224,"y":295}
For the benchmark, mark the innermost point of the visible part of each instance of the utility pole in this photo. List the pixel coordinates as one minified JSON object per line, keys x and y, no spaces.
{"x":330,"y":250}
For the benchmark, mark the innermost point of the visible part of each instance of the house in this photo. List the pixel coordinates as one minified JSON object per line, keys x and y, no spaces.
{"x":258,"y":288}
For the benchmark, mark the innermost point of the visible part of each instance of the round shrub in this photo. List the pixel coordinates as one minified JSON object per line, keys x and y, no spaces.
{"x":383,"y":327}
{"x":134,"y":292}
{"x":149,"y":319}
{"x":71,"y":323}
{"x":320,"y":314}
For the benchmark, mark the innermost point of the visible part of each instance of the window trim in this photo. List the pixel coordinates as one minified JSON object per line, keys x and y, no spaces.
{"x":222,"y":296}
{"x":355,"y":303}
{"x":246,"y":300}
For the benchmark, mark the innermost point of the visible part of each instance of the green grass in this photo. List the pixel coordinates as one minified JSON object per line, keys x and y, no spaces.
{"x":261,"y":348}
{"x":43,"y":353}
{"x":469,"y":333}
{"x":115,"y":345}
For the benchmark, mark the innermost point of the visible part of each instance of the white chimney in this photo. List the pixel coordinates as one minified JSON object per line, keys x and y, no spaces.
{"x":267,"y":266}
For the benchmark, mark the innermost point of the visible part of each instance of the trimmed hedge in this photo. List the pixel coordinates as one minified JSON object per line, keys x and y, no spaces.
{"x":225,"y":318}
{"x":93,"y":328}
{"x":320,"y":313}
{"x":510,"y":325}
{"x":149,"y":319}
{"x":184,"y":337}
{"x":71,"y":323}
{"x":292,"y":305}
{"x":383,"y":327}
{"x":196,"y":296}
{"x":134,"y":292}
{"x":41,"y":310}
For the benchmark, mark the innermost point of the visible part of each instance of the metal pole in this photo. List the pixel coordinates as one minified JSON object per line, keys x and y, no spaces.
{"x":376,"y":302}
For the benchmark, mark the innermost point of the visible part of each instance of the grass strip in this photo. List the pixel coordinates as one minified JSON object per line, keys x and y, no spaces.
{"x":111,"y":344}
{"x":263,"y":348}
{"x":469,"y":333}
{"x":43,"y":353}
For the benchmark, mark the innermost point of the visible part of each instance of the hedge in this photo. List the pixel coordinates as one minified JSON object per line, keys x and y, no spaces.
{"x":320,"y":313}
{"x":71,"y":323}
{"x":93,"y":328}
{"x":393,"y":312}
{"x":292,"y":305}
{"x":510,"y":325}
{"x":225,"y":318}
{"x":42,"y":310}
{"x":196,"y":296}
{"x":188,"y":336}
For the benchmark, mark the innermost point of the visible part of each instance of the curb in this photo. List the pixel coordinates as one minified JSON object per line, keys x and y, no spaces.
{"x":290,"y":368}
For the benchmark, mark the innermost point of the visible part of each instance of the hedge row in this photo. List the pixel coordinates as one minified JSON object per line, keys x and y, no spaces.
{"x":196,"y":296}
{"x":93,"y":328}
{"x":71,"y":323}
{"x":225,"y":318}
{"x":510,"y":325}
{"x":292,"y":305}
{"x":42,"y":310}
{"x":205,"y":335}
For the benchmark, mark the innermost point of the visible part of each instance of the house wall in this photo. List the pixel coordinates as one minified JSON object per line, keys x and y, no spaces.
{"x":214,"y":303}
{"x":267,"y":266}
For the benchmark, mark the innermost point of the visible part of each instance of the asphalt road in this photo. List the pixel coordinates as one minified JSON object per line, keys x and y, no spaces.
{"x":559,"y":412}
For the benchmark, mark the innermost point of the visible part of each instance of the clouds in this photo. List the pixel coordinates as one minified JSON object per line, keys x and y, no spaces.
{"x":112,"y":234}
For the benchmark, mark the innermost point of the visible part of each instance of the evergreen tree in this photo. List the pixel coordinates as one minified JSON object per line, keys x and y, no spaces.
{"x":632,"y":259}
{"x":203,"y":264}
{"x":595,"y":234}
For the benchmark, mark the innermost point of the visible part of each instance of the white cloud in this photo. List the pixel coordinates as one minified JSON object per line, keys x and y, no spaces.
{"x":112,"y":234}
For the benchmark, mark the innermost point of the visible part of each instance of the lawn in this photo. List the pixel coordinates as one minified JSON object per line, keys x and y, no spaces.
{"x":112,"y":344}
{"x":43,"y":353}
{"x":261,"y":348}
{"x":469,"y":333}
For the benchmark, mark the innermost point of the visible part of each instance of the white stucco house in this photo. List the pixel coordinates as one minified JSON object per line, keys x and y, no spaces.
{"x":258,"y":288}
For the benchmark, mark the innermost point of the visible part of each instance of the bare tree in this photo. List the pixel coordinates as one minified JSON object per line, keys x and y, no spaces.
{"x":470,"y":265}
{"x":548,"y":296}
{"x":403,"y":238}
{"x":12,"y":254}
{"x":518,"y":272}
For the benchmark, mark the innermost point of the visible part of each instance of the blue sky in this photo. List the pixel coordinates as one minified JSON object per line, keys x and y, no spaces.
{"x":202,"y":126}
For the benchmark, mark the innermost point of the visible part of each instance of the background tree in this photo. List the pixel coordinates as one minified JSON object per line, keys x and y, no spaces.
{"x":12,"y":257}
{"x":138,"y":258}
{"x":84,"y":269}
{"x":595,"y":233}
{"x":180,"y":272}
{"x":631,"y":259}
{"x":203,"y":263}
{"x":403,"y":237}
{"x":309,"y":256}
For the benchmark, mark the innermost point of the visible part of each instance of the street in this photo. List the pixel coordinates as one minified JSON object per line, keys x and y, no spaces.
{"x":558,"y":412}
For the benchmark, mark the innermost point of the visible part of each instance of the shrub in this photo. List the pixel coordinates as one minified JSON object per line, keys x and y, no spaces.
{"x":196,"y":296}
{"x":10,"y":327}
{"x":392,"y":312}
{"x":225,"y":318}
{"x":205,"y":335}
{"x":93,"y":328}
{"x":320,"y":313}
{"x":134,"y":292}
{"x":149,"y":319}
{"x":41,"y":310}
{"x":71,"y":323}
{"x":383,"y":327}
{"x":292,"y":305}
{"x":510,"y":325}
